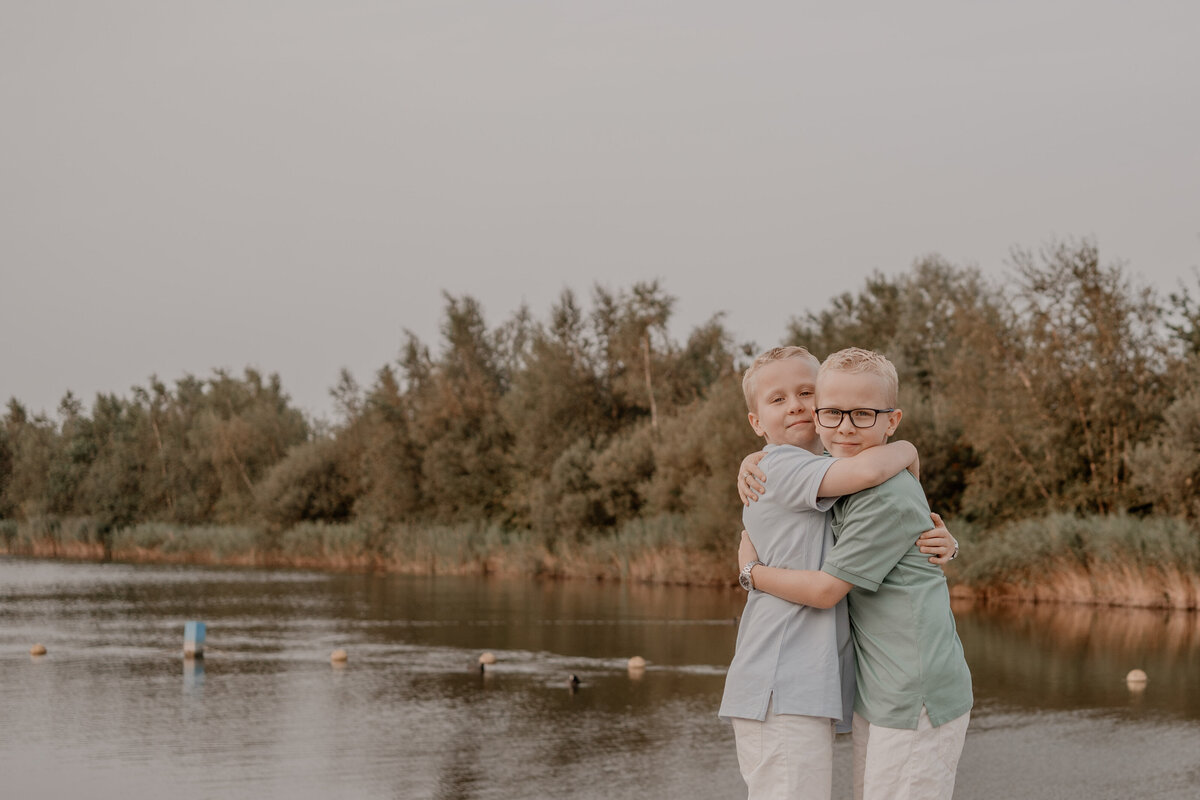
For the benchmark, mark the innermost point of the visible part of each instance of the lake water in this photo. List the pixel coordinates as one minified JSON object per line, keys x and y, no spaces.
{"x":114,"y":711}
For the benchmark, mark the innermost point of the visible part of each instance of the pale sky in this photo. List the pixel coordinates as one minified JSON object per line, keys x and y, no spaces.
{"x":289,"y":184}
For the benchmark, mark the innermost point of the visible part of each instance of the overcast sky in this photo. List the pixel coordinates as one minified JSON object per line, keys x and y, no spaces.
{"x":290,"y":184}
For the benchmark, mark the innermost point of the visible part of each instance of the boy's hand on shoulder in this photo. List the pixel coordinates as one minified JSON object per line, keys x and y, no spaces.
{"x":938,"y":542}
{"x":752,"y":481}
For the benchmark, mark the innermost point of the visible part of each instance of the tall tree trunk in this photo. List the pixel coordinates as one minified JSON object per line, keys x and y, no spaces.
{"x":649,"y":384}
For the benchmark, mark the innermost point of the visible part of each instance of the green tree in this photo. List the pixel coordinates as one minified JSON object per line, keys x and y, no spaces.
{"x":1184,"y":322}
{"x":243,"y":427}
{"x":1167,"y":466}
{"x":707,"y":358}
{"x":68,"y":466}
{"x":696,"y":460}
{"x":120,"y":455}
{"x":1061,"y":385}
{"x":457,"y":425}
{"x":555,"y":399}
{"x":309,"y":484}
{"x":7,"y":509}
{"x":34,"y":444}
{"x":391,"y":457}
{"x":633,"y":347}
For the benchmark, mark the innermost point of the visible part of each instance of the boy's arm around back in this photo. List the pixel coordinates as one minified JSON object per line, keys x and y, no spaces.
{"x":804,"y":586}
{"x":802,"y":481}
{"x":869,"y":468}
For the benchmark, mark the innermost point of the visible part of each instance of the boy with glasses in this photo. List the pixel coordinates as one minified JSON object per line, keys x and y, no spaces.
{"x":914,"y":695}
{"x":792,"y":678}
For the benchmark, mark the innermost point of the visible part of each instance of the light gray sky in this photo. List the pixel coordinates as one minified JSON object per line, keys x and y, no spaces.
{"x":288,"y":184}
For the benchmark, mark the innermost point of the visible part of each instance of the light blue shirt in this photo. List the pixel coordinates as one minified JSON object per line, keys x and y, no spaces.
{"x":798,"y":655}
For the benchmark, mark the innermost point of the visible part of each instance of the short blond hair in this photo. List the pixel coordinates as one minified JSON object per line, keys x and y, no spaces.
{"x":858,"y":360}
{"x":774,"y":354}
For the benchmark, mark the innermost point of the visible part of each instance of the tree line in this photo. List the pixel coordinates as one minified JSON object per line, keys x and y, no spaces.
{"x":1062,"y":389}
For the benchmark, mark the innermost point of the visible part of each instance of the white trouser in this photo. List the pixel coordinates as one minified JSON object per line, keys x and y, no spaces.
{"x":786,"y":756}
{"x":902,"y":764}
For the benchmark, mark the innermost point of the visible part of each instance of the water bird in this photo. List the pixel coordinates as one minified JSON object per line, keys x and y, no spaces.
{"x":338,"y":656}
{"x":38,"y":650}
{"x":487,"y":658}
{"x":1136,"y":679}
{"x":573,"y":682}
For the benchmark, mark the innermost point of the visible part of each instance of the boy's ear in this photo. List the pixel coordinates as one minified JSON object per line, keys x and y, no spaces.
{"x":894,"y":421}
{"x":754,"y":424}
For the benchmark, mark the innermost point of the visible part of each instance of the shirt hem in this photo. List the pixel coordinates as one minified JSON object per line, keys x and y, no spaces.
{"x":850,"y":577}
{"x":910,"y":724}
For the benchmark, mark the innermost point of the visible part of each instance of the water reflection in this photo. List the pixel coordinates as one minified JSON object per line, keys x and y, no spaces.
{"x":1097,"y":628}
{"x":411,"y":715}
{"x":1077,"y":657}
{"x":193,"y":675}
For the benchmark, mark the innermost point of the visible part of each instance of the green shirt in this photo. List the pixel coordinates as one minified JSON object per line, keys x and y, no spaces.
{"x":907,"y":652}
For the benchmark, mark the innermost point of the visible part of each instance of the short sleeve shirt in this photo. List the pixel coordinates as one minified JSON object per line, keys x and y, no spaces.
{"x":796,"y":659}
{"x":907,"y":651}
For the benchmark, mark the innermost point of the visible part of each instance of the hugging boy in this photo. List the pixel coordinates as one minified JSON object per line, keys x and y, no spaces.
{"x":791,"y":680}
{"x":914,"y":695}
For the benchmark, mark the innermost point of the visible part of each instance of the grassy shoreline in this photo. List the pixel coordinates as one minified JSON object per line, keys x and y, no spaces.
{"x":650,"y":553}
{"x":1117,"y":560}
{"x":1101,"y":585}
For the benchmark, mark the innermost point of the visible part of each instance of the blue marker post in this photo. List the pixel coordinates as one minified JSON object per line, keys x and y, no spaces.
{"x":193,"y":640}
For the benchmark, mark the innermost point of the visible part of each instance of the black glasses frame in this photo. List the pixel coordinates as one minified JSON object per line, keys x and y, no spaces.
{"x":842,"y":412}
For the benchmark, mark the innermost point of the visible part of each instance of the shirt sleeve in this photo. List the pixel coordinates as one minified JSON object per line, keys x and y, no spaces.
{"x":794,"y":477}
{"x":877,"y":529}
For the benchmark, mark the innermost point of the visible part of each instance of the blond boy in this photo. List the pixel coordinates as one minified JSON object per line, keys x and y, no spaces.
{"x":913,"y":687}
{"x":790,"y":685}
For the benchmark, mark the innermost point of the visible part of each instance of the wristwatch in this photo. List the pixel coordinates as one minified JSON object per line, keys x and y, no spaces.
{"x":744,"y":577}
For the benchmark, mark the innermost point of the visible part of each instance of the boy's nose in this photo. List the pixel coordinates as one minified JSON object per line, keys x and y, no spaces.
{"x":846,"y":426}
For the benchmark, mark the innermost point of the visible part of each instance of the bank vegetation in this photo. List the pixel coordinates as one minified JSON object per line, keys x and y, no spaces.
{"x":1057,"y":413}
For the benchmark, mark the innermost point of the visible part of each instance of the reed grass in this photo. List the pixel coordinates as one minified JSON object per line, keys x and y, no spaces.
{"x":55,"y":537}
{"x":662,"y":550}
{"x":201,"y":543}
{"x":1150,"y":562}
